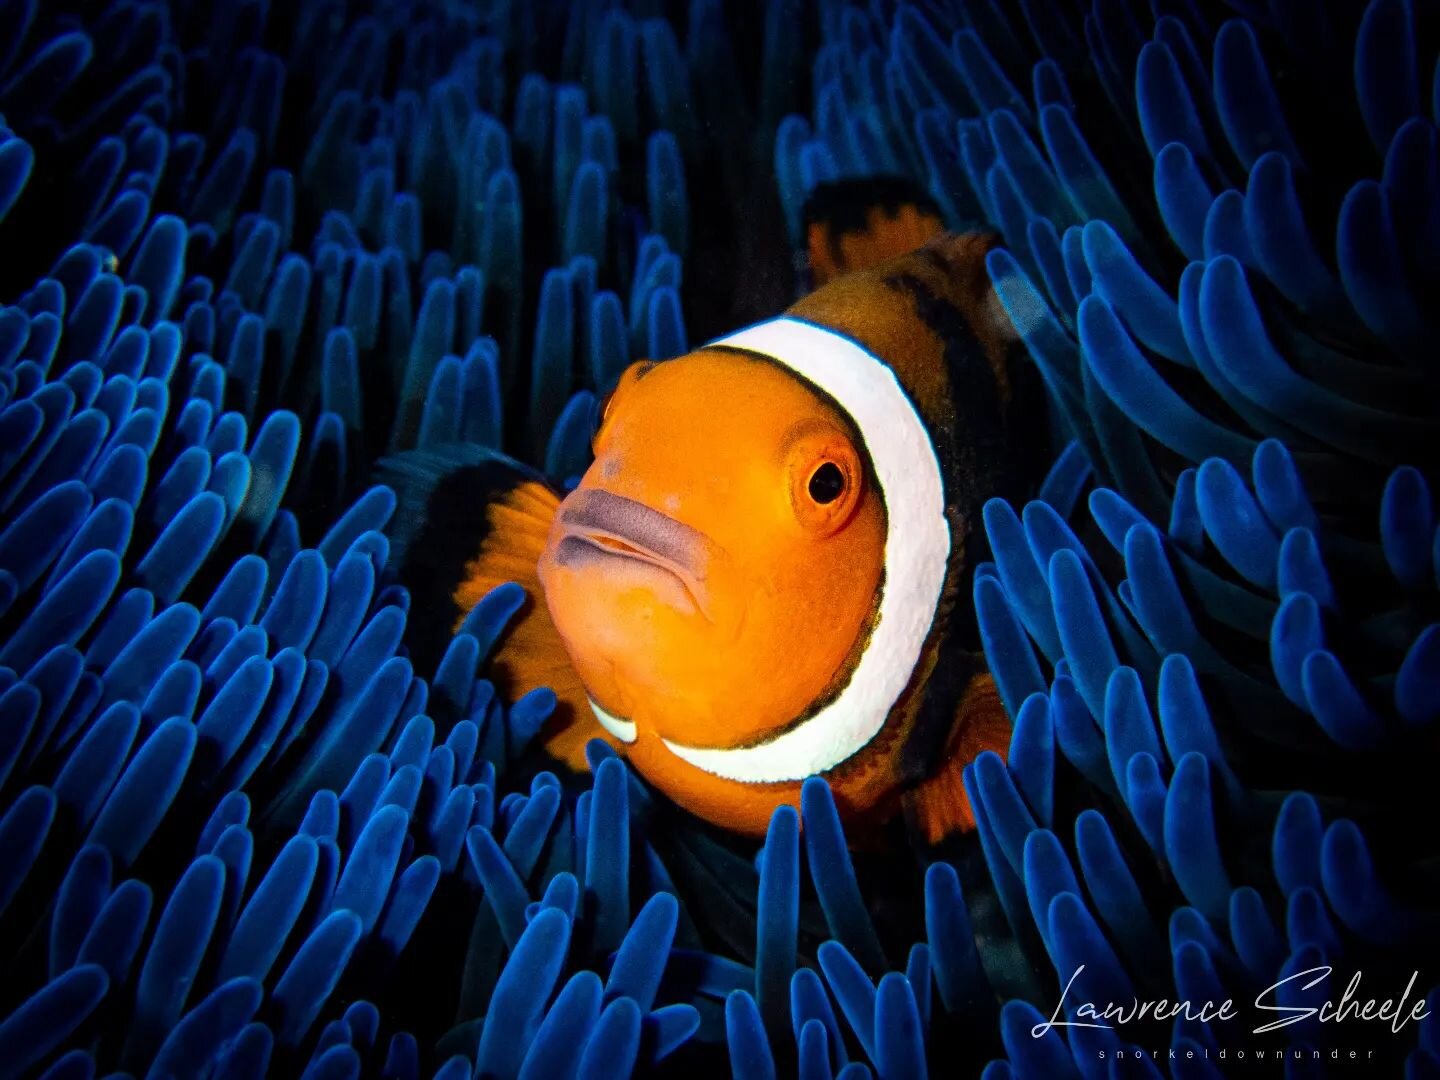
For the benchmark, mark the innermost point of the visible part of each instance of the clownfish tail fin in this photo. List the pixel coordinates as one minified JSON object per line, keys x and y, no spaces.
{"x":471,"y":519}
{"x":859,"y":223}
{"x":938,"y":807}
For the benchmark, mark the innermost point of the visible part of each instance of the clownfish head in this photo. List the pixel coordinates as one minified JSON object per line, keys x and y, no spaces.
{"x":715,"y":574}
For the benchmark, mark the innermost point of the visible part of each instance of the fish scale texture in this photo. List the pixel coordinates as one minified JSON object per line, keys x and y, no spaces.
{"x":250,"y":248}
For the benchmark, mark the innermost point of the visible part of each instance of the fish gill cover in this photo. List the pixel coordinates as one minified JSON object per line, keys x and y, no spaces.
{"x":251,"y":247}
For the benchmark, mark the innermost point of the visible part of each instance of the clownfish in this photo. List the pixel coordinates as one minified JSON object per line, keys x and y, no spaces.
{"x":759,"y":577}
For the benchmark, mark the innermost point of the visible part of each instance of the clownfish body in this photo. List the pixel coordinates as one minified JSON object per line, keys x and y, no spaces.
{"x":756,"y":579}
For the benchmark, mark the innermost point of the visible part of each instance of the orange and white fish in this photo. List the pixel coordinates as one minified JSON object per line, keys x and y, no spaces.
{"x":756,"y":580}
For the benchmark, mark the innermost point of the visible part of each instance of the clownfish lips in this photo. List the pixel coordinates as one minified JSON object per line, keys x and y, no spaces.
{"x":621,"y":536}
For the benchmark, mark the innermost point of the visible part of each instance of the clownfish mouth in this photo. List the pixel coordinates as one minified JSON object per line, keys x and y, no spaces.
{"x":621,"y":535}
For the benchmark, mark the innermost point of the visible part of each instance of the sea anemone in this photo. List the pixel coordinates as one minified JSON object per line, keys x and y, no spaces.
{"x":253,"y":248}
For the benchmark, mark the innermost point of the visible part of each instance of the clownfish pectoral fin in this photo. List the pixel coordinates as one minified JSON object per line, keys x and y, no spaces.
{"x":938,"y":806}
{"x":856,"y":224}
{"x":471,"y":519}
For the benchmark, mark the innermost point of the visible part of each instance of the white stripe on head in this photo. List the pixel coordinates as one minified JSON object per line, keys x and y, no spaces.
{"x":624,"y":730}
{"x":917,"y":550}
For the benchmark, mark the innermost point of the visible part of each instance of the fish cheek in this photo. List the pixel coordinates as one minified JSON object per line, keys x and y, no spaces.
{"x":830,"y":585}
{"x":805,"y":606}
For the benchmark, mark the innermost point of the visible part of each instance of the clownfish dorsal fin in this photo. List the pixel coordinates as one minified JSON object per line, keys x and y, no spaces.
{"x":938,"y":806}
{"x":855,"y":224}
{"x":476,"y":519}
{"x":912,"y":308}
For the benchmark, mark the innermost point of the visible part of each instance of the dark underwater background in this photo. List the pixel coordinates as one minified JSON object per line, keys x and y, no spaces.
{"x":247,"y":249}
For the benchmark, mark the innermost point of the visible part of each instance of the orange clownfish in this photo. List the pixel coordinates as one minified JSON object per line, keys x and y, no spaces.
{"x":756,"y":580}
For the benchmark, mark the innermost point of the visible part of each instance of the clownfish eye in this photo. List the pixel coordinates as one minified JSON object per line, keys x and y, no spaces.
{"x":827,"y":483}
{"x":824,"y":478}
